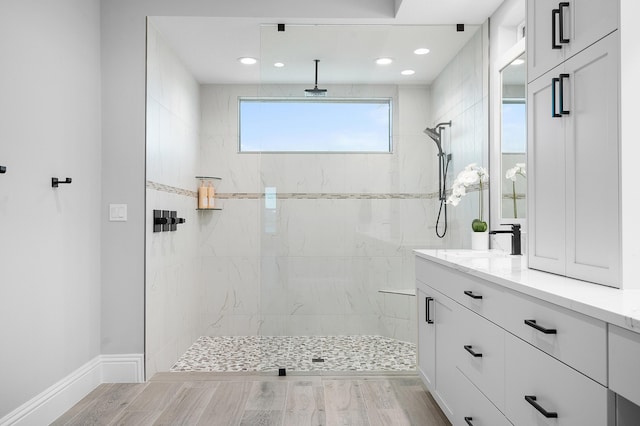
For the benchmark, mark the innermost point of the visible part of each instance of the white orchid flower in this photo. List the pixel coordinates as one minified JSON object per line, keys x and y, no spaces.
{"x":470,"y":175}
{"x":519,"y":169}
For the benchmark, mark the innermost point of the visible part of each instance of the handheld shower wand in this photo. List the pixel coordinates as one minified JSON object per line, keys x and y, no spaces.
{"x":435,"y":133}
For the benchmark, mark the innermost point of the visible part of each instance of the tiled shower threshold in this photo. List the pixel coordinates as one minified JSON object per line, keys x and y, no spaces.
{"x":298,"y":354}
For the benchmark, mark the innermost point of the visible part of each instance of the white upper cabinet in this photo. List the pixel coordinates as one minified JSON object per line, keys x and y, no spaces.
{"x":546,"y":157}
{"x":573,"y":142}
{"x":557,"y":30}
{"x":592,"y":166}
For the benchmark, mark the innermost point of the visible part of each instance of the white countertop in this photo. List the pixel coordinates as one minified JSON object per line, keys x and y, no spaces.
{"x":615,"y":306}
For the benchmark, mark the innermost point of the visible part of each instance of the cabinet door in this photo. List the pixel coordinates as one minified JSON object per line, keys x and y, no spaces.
{"x":546,"y":182}
{"x":593,"y":228}
{"x":583,"y":23}
{"x":447,"y":325}
{"x":587,"y":21}
{"x":541,"y":26}
{"x":426,"y":338}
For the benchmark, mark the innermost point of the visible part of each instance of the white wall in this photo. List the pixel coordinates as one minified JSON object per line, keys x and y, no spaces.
{"x":50,"y":238}
{"x":460,"y":94}
{"x":173,"y":298}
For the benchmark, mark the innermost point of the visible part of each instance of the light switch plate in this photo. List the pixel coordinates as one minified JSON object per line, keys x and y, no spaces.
{"x":117,"y":212}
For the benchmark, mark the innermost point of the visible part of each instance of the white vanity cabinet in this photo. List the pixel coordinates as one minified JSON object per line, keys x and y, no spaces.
{"x":559,"y":29}
{"x":491,"y":368}
{"x":438,"y":325}
{"x":624,"y":363}
{"x":573,"y":154}
{"x":543,"y":391}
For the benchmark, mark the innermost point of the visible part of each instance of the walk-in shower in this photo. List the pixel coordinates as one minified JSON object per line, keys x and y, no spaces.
{"x":435,"y":133}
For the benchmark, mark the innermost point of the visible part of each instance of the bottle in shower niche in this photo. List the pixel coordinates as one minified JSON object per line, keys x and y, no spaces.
{"x":211,"y":195}
{"x":203,"y":198}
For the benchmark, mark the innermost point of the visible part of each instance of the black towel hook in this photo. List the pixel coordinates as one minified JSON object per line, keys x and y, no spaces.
{"x":56,"y":181}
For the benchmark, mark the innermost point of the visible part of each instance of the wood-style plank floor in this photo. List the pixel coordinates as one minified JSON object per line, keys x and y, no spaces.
{"x":214,"y":399}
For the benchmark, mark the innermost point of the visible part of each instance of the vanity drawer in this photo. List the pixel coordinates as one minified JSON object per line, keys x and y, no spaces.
{"x":571,"y":337}
{"x":474,"y":408}
{"x":474,"y":293}
{"x":480,"y":355}
{"x":438,"y":277}
{"x":554,"y":387}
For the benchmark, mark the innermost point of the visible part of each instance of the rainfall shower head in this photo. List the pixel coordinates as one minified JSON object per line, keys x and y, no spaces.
{"x":315,"y":91}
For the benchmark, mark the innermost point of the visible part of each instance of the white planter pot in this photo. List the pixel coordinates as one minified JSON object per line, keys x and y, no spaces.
{"x":480,"y":240}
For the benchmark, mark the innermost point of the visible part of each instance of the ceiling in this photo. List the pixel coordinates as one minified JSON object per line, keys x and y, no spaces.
{"x":347,"y":49}
{"x":515,"y":74}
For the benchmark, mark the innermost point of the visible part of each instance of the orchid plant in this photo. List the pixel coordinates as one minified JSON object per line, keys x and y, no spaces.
{"x":471,"y":175}
{"x":512,"y":173}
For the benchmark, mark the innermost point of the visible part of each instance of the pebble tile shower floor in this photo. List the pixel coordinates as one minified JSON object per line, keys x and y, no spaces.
{"x":298,"y":353}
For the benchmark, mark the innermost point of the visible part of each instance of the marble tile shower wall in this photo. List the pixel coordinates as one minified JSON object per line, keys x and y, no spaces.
{"x":343,"y":226}
{"x":173,"y":296}
{"x":460,"y":94}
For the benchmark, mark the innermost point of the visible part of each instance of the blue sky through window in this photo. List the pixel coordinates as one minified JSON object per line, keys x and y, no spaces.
{"x":315,"y":125}
{"x":514,"y":127}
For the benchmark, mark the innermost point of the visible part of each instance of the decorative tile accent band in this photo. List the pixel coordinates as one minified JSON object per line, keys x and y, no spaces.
{"x":303,"y":195}
{"x":171,"y":189}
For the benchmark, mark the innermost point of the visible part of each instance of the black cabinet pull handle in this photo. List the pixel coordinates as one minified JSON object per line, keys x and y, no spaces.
{"x":471,"y":295}
{"x":561,"y":18}
{"x":427,"y":315}
{"x":474,"y":354}
{"x":562,"y":110}
{"x":531,"y":399}
{"x":554,"y":13}
{"x":553,"y":97}
{"x":532,"y":323}
{"x":468,"y":420}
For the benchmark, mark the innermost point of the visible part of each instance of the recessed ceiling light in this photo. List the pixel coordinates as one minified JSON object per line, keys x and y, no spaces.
{"x":248,"y":61}
{"x":384,"y":61}
{"x":408,"y":72}
{"x":517,"y":62}
{"x":278,"y":65}
{"x":421,"y":51}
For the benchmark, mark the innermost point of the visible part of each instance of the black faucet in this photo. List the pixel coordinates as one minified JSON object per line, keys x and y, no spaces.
{"x":516,"y":241}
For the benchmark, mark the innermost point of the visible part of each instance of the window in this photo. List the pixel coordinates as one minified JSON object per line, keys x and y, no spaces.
{"x":514,"y":125}
{"x":315,"y":125}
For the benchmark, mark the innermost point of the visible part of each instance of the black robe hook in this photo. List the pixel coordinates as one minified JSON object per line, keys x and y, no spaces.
{"x":56,"y":181}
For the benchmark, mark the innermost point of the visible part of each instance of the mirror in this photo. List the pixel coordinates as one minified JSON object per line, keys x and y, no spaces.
{"x":508,"y":140}
{"x":513,"y":140}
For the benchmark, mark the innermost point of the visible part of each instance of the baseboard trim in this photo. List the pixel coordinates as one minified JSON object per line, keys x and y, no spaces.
{"x":57,"y":399}
{"x":119,"y":368}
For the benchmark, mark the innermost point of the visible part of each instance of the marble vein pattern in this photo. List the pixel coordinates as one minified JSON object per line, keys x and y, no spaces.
{"x":298,"y":353}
